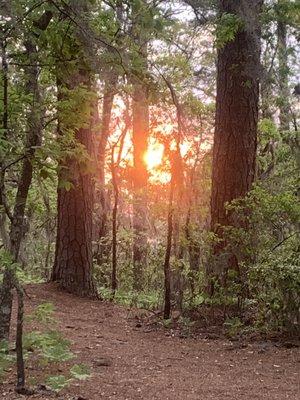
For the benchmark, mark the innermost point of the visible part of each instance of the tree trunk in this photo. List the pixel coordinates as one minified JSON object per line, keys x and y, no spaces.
{"x":235,"y":138}
{"x":108,"y":98}
{"x":73,"y":253}
{"x":33,"y":139}
{"x":140,"y":115}
{"x":102,"y":196}
{"x":73,"y":264}
{"x":167,"y":268}
{"x":283,"y":72}
{"x":114,"y":281}
{"x":6,"y":286}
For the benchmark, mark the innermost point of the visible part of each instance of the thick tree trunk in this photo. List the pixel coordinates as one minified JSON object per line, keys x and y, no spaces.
{"x":73,"y":256}
{"x":140,"y":115}
{"x":235,"y":138}
{"x":73,"y":253}
{"x":73,"y":264}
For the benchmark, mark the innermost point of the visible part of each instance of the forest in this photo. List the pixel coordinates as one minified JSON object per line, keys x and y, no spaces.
{"x":149,"y":199}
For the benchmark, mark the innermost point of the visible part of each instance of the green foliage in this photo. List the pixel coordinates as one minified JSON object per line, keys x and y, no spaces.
{"x":270,"y":274}
{"x":43,"y":313}
{"x":233,"y":326}
{"x":144,"y":300}
{"x":275,"y":283}
{"x":167,"y":323}
{"x":51,"y":346}
{"x":80,"y":372}
{"x":228,"y":26}
{"x":57,"y":383}
{"x":268,"y":130}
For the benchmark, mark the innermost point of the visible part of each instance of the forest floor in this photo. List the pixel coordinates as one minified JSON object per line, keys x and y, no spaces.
{"x":149,"y":363}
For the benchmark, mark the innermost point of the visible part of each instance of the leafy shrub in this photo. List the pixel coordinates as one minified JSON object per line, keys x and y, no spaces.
{"x":275,"y":284}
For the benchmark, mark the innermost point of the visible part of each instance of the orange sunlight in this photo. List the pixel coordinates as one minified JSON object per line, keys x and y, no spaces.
{"x":154,"y":155}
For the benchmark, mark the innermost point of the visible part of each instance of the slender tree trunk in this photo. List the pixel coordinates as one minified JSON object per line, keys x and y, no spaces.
{"x":34,"y":131}
{"x":266,"y":88}
{"x":6,"y":287}
{"x":140,"y":135}
{"x":115,"y":165}
{"x":49,"y":229}
{"x":140,"y":115}
{"x":283,"y":73}
{"x":34,"y":138}
{"x":235,"y":138}
{"x":102,"y":195}
{"x":20,"y":387}
{"x":114,"y":281}
{"x":108,"y":98}
{"x":167,"y":269}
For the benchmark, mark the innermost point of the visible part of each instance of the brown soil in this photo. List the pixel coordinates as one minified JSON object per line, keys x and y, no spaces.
{"x":145,"y":363}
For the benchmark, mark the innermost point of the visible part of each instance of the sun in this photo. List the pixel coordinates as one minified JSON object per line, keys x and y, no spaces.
{"x":154,"y":155}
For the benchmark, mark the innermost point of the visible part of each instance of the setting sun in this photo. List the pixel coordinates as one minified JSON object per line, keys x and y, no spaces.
{"x":154,"y":155}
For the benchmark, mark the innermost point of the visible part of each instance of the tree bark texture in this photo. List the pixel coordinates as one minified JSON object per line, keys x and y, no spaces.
{"x":73,"y":255}
{"x":235,"y":139}
{"x":73,"y":265}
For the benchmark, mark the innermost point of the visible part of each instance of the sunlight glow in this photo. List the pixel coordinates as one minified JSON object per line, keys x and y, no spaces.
{"x":154,"y":155}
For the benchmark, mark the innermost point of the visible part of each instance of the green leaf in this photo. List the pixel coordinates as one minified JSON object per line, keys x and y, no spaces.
{"x":80,"y":371}
{"x":227,"y":28}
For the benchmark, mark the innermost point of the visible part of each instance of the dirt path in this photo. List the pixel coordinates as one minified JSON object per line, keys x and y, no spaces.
{"x":150,"y":365}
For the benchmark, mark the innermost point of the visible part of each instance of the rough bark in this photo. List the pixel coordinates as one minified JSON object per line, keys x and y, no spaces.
{"x":73,"y":252}
{"x":73,"y":264}
{"x":235,"y":139}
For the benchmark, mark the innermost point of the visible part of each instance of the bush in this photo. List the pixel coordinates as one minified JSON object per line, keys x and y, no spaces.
{"x":275,"y":285}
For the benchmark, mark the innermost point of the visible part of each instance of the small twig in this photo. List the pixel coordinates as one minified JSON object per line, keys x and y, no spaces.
{"x":5,"y":167}
{"x":283,"y":240}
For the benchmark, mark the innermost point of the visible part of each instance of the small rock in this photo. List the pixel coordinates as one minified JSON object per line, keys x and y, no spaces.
{"x":102,"y":362}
